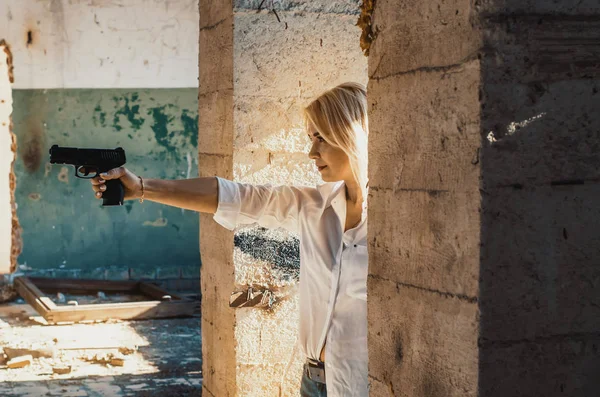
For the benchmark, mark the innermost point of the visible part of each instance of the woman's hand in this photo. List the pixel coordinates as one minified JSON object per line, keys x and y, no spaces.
{"x":131,"y":183}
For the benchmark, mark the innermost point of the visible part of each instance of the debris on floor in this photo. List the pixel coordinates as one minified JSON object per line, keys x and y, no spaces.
{"x":155,"y":357}
{"x":19,"y":362}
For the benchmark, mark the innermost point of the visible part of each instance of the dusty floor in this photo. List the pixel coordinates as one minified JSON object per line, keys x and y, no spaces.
{"x":159,"y":357}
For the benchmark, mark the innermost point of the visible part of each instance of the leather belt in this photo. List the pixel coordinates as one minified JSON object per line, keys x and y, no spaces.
{"x":315,"y":370}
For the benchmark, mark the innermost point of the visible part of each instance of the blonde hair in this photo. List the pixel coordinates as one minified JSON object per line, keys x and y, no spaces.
{"x":340,"y":116}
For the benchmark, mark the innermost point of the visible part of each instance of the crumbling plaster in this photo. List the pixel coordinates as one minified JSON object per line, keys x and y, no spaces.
{"x":10,"y":243}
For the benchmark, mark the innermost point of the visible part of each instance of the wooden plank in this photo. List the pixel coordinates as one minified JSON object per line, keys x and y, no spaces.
{"x":40,"y":295}
{"x":122,"y":311}
{"x":84,"y":286}
{"x":156,"y":292}
{"x":30,"y":297}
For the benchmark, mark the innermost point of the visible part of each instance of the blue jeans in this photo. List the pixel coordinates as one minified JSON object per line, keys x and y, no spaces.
{"x":310,"y":388}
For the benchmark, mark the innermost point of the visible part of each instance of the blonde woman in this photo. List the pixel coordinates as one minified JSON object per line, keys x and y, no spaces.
{"x":331,"y":221}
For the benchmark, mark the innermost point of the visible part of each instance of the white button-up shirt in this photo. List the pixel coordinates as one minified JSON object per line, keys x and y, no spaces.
{"x":333,"y":270}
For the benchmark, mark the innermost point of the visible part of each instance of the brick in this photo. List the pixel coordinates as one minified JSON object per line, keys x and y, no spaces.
{"x":425,"y":131}
{"x":414,"y":34}
{"x":421,"y":343}
{"x":539,"y":262}
{"x":426,"y":239}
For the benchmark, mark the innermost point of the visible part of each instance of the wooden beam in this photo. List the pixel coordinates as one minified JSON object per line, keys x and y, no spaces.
{"x":83,"y":286}
{"x":32,"y":295}
{"x":122,"y":311}
{"x":28,"y":289}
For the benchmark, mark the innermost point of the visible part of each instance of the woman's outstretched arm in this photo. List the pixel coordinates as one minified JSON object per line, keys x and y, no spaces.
{"x":197,"y":194}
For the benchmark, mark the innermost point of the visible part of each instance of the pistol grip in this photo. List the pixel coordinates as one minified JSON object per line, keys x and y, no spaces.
{"x":114,"y":193}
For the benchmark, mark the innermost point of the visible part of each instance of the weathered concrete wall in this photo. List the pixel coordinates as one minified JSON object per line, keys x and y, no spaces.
{"x":483,"y":171}
{"x":424,"y":199}
{"x":102,"y":44}
{"x":10,"y":240}
{"x":540,"y":324}
{"x":280,"y":60}
{"x":66,"y":232}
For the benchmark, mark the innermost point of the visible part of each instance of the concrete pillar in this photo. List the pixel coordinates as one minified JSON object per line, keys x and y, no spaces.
{"x":10,"y":232}
{"x":258,"y":68}
{"x":483,"y":172}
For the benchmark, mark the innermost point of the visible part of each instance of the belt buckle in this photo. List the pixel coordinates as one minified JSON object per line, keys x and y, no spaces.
{"x":315,"y":370}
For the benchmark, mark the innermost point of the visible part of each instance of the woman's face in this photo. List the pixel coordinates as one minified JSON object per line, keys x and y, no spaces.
{"x":332,"y":162}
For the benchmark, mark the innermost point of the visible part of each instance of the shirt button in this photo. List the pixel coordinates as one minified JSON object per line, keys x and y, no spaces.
{"x":355,"y":245}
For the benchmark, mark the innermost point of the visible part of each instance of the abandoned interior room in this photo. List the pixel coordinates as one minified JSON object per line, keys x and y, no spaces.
{"x":483,"y":245}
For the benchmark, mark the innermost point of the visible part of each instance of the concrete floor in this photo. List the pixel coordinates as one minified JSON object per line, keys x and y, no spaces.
{"x":166,"y":360}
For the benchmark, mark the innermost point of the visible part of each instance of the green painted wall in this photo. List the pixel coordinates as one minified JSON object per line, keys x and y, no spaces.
{"x":66,"y":231}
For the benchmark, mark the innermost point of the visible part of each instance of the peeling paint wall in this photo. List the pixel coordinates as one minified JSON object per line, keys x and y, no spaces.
{"x":104,"y":74}
{"x":10,"y":232}
{"x":66,"y":232}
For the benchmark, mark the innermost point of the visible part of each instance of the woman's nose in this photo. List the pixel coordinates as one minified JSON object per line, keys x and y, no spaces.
{"x":313,"y":154}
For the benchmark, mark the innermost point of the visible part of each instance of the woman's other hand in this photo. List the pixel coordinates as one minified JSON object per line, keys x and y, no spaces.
{"x":131,"y":182}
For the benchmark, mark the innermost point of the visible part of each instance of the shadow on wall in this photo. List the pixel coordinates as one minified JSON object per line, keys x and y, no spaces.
{"x":539,"y":295}
{"x":66,"y":232}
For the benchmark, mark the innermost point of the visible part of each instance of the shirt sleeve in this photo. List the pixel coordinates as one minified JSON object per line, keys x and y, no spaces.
{"x":270,"y":207}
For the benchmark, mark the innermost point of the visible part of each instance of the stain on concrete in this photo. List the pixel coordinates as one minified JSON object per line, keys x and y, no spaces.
{"x":99,"y":117}
{"x":29,"y":38}
{"x":63,"y":175}
{"x":399,"y":350}
{"x":130,"y":110}
{"x":128,"y":206}
{"x":166,"y":132}
{"x":32,"y":145}
{"x":190,"y":126}
{"x":160,"y":126}
{"x":159,"y":222}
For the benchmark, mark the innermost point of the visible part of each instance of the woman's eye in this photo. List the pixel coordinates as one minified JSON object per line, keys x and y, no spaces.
{"x":321,"y":139}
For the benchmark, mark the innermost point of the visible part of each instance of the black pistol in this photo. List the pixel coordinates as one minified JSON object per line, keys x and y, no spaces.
{"x":93,"y":161}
